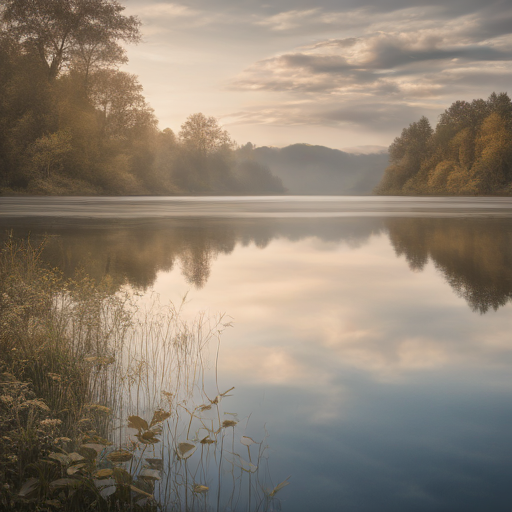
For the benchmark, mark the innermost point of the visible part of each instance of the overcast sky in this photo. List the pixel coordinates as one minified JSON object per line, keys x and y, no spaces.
{"x":340,"y":73}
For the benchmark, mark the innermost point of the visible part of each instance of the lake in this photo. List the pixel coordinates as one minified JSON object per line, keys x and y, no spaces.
{"x":371,"y":337}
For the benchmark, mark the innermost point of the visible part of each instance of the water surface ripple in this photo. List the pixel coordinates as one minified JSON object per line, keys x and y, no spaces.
{"x":261,"y":206}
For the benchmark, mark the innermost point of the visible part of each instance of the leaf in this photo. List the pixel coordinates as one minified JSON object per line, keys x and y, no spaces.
{"x":122,"y":476}
{"x":75,"y":468}
{"x":65,"y":460}
{"x":119,"y":456}
{"x":247,"y":441}
{"x":156,"y":463}
{"x":137,"y":423}
{"x":64,"y":482}
{"x":107,"y":491}
{"x":148,"y":437}
{"x":204,"y":407}
{"x":278,"y":487}
{"x":103,"y":473}
{"x":185,"y":450}
{"x":159,"y":416}
{"x":207,"y":440}
{"x":104,"y":483}
{"x":229,"y":423}
{"x":75,"y":457}
{"x":29,"y":487}
{"x":246,"y":466}
{"x":150,"y":474}
{"x":199,"y":489}
{"x":92,"y":449}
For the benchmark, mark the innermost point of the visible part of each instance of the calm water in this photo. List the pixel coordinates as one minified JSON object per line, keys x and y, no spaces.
{"x":372,"y":336}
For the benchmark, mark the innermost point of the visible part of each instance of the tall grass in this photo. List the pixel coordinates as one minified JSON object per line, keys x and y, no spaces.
{"x":112,"y":403}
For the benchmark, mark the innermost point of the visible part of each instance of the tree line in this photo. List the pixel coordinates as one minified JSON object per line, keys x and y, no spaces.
{"x":468,"y":153}
{"x":71,"y":122}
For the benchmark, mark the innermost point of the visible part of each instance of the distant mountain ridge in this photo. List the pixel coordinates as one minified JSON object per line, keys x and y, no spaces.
{"x":318,"y":170}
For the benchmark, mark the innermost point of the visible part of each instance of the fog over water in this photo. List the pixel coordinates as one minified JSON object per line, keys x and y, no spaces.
{"x":371,"y":337}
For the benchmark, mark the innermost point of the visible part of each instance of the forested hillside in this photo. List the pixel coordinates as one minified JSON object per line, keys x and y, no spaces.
{"x":72,"y":123}
{"x":307,"y":169}
{"x":468,"y":153}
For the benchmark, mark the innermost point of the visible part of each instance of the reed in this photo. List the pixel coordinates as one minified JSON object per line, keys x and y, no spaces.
{"x":111,"y":402}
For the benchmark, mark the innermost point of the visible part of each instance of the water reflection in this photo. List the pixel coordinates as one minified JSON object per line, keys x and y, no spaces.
{"x":473,"y":254}
{"x":133,"y":253}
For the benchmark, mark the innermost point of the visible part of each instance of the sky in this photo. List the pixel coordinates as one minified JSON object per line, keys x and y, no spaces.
{"x":345,"y":74}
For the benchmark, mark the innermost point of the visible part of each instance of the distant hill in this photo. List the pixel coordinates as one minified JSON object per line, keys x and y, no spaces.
{"x":307,"y":169}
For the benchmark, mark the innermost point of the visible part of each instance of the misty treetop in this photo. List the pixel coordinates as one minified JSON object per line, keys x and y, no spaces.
{"x":72,"y":123}
{"x":468,"y":153}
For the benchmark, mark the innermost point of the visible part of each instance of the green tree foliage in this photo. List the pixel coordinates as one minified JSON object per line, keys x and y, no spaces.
{"x":469,"y":153}
{"x":72,"y":123}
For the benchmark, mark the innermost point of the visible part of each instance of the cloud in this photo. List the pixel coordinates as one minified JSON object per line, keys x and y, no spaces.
{"x":387,"y":71}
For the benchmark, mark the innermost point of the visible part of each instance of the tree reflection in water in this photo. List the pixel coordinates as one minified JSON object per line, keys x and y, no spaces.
{"x":473,"y":254}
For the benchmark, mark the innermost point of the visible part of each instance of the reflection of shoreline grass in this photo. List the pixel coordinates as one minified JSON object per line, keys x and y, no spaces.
{"x":99,"y":402}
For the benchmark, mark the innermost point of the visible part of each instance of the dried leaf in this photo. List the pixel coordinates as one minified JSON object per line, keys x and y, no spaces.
{"x":159,"y":416}
{"x":64,"y":459}
{"x":64,"y":482}
{"x":29,"y":487}
{"x":72,"y":470}
{"x":103,"y":473}
{"x":199,"y":489}
{"x":247,"y":441}
{"x":207,"y":440}
{"x":119,"y":456}
{"x":137,"y":423}
{"x":185,"y":450}
{"x":75,"y":457}
{"x":150,"y":474}
{"x":148,"y":437}
{"x":278,"y":487}
{"x":229,"y":423}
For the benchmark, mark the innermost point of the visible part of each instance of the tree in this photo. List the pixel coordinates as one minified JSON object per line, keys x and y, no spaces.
{"x":469,"y":153}
{"x":203,"y":134}
{"x":50,"y":150}
{"x":57,"y":30}
{"x":118,"y":97}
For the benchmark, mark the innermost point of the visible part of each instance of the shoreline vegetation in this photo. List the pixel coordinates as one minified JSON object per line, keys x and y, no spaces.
{"x":107,"y":405}
{"x":72,"y":123}
{"x":468,"y":154}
